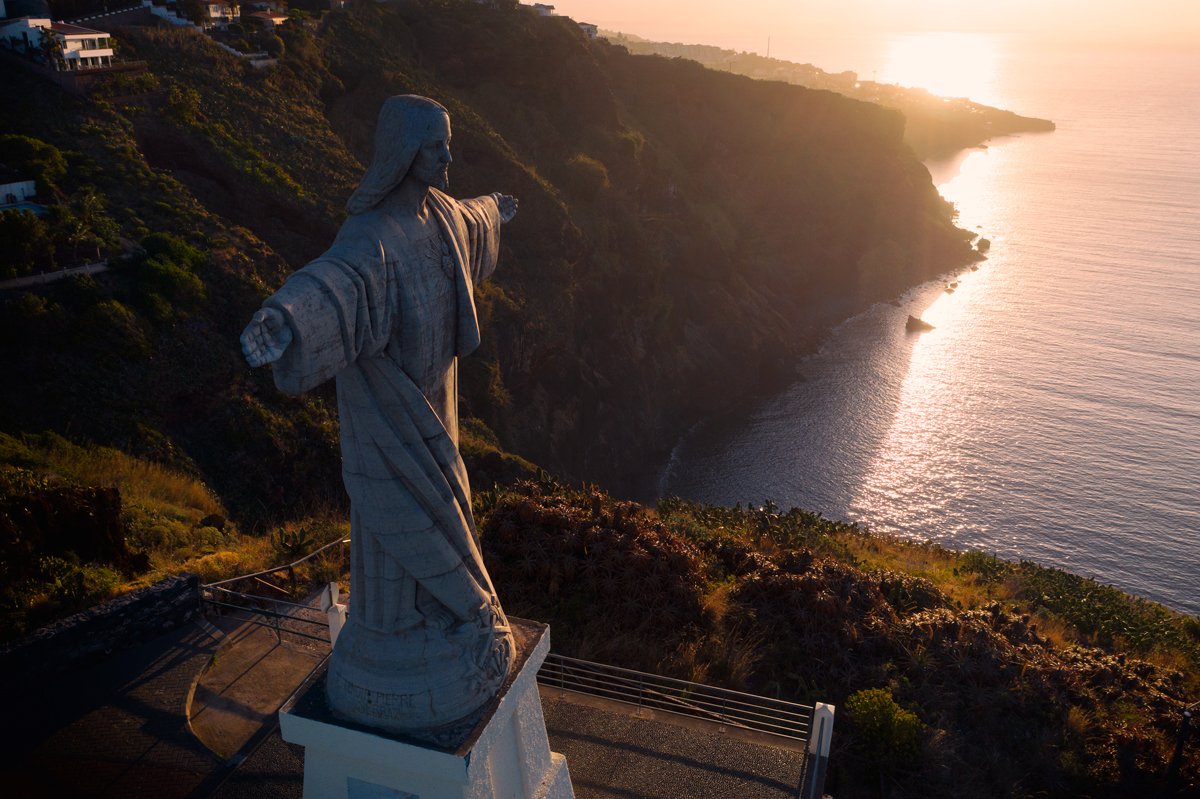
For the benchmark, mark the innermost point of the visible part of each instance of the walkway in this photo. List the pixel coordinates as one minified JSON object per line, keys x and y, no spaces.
{"x":115,"y":730}
{"x":120,"y":729}
{"x":612,"y":754}
{"x":49,"y":277}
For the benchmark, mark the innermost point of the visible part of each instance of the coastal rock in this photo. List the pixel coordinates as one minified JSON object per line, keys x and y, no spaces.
{"x":915,"y":325}
{"x":983,"y":245}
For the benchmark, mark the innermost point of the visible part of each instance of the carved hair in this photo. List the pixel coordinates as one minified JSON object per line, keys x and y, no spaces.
{"x":404,"y":124}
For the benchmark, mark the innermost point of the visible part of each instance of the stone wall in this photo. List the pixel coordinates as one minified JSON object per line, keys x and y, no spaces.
{"x":98,"y":632}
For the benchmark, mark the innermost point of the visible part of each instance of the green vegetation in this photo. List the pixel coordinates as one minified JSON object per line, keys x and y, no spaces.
{"x":81,"y":524}
{"x":77,"y":227}
{"x":888,"y":735}
{"x":955,"y":676}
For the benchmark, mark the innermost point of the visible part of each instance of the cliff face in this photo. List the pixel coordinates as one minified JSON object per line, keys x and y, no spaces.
{"x":683,"y":233}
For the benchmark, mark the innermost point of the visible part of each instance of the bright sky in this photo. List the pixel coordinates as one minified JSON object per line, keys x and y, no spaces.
{"x":746,"y":24}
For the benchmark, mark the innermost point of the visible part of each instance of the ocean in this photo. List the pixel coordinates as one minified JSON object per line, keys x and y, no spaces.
{"x":1053,"y":414}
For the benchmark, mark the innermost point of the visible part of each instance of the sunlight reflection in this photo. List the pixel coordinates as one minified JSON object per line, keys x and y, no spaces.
{"x":935,"y":407}
{"x":946,"y":64}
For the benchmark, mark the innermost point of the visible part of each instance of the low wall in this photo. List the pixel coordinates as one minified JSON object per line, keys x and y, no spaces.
{"x":98,"y":632}
{"x":49,"y":277}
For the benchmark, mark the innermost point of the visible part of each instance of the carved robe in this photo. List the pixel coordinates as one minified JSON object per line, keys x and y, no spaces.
{"x":390,"y":331}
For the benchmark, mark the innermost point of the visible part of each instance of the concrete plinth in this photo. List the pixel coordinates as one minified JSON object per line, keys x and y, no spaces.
{"x":506,"y":755}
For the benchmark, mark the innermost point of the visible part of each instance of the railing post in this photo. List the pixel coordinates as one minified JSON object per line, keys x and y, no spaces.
{"x":1177,"y":757}
{"x":820,"y":734}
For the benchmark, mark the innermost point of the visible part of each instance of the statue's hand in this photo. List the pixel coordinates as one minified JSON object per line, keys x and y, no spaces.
{"x":266,"y":337}
{"x":508,"y":206}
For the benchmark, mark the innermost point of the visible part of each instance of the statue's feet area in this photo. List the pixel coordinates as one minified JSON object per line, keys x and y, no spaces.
{"x":425,"y":682}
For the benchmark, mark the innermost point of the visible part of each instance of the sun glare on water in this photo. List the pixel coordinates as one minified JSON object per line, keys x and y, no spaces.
{"x":946,"y":64}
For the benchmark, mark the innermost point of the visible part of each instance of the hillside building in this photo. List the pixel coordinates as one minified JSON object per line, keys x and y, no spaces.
{"x":219,"y":13}
{"x":14,"y":190}
{"x":64,"y":47}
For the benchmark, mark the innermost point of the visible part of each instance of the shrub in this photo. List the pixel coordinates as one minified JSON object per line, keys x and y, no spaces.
{"x":34,"y":159}
{"x":885,"y":734}
{"x":26,"y":245}
{"x":218,"y":566}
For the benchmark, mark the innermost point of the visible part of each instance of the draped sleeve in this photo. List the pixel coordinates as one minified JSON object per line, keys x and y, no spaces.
{"x":339,"y":307}
{"x":472,"y":229}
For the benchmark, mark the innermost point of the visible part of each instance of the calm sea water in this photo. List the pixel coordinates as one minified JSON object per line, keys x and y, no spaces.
{"x":1054,"y":412}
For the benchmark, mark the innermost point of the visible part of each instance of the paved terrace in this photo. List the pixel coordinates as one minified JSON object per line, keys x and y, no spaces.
{"x":122,"y":729}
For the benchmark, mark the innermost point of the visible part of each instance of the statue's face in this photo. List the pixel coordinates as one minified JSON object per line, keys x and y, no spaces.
{"x":432,"y":163}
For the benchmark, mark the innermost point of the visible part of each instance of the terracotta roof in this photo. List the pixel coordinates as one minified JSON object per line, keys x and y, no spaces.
{"x":74,"y":30}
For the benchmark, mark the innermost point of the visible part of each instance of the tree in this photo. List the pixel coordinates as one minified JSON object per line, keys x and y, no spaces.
{"x":52,"y":50}
{"x":102,"y":229}
{"x":34,"y":159}
{"x":25,"y":244}
{"x":67,"y":229}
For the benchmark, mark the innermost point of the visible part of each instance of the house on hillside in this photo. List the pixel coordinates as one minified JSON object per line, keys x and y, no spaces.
{"x":219,"y":13}
{"x":590,"y":30}
{"x":82,"y":48}
{"x":62,"y":46}
{"x":543,"y":10}
{"x":268,"y":19}
{"x":13,"y":189}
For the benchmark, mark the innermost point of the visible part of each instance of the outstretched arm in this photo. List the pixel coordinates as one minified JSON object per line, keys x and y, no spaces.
{"x":266,"y":337}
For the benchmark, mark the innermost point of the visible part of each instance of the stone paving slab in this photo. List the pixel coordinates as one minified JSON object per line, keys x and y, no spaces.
{"x":250,"y":677}
{"x":117,"y":729}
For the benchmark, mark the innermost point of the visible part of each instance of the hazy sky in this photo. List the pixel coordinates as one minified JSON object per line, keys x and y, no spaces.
{"x":746,"y":24}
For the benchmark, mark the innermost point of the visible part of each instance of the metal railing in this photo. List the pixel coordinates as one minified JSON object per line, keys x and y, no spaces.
{"x":280,"y":615}
{"x":283,"y":615}
{"x":668,"y":695}
{"x":811,"y":725}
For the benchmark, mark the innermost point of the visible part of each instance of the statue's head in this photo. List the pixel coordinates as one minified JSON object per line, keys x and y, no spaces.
{"x":412,"y":138}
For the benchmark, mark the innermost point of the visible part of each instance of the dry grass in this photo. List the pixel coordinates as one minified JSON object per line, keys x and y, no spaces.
{"x":138,"y":480}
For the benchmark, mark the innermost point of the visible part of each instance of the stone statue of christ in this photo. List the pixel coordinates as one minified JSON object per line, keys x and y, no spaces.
{"x":387,"y":311}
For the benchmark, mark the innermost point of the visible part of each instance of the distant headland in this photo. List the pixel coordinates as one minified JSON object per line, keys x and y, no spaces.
{"x":935,"y":126}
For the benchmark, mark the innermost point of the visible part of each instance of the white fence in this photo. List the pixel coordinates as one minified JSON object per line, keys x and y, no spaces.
{"x":810,"y":725}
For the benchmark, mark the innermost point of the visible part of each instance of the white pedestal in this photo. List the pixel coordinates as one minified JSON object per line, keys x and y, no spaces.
{"x":506,"y":755}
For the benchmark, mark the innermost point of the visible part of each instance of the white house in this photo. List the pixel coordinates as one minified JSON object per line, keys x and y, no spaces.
{"x":23,"y":34}
{"x":73,"y":47}
{"x":82,"y":48}
{"x":219,"y":13}
{"x":13,"y":190}
{"x":543,"y":10}
{"x":589,"y":29}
